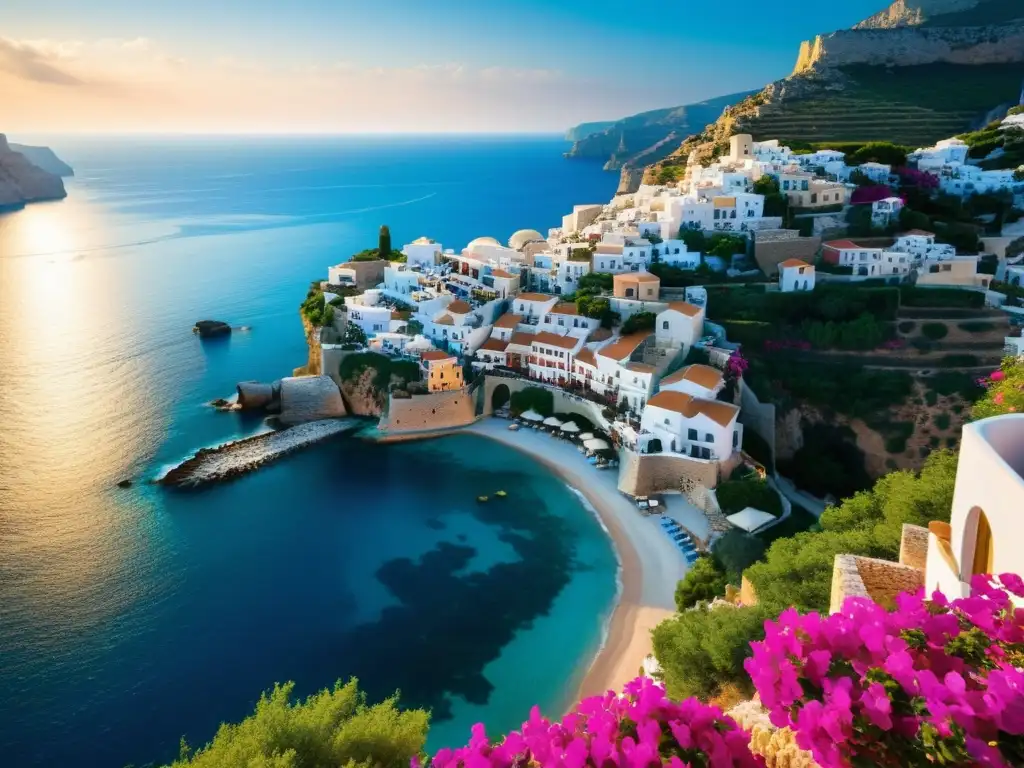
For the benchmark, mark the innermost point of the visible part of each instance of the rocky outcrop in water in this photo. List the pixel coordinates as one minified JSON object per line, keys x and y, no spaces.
{"x":211,"y":328}
{"x":22,"y":182}
{"x":45,"y":158}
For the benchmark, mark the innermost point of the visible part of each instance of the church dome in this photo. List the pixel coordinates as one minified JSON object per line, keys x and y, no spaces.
{"x":524,"y":237}
{"x":483,"y":242}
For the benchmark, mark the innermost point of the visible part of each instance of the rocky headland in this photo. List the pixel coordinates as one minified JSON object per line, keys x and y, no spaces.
{"x":22,"y":182}
{"x":45,"y":158}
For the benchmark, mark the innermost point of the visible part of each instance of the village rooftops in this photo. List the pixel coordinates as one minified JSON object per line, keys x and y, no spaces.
{"x":521,"y":339}
{"x":564,"y":308}
{"x":554,"y":340}
{"x":445,"y":319}
{"x":679,"y":402}
{"x":434,"y":355}
{"x":702,"y":375}
{"x":608,"y":249}
{"x":640,"y":368}
{"x":459,"y":307}
{"x":690,"y":310}
{"x":494,"y":345}
{"x":842,"y":245}
{"x":586,"y":356}
{"x":793,"y":263}
{"x":508,"y":320}
{"x":501,"y":273}
{"x":534,"y":297}
{"x":624,"y":347}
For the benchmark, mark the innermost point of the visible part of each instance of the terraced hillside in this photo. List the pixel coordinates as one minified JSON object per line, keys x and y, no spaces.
{"x":907,"y":105}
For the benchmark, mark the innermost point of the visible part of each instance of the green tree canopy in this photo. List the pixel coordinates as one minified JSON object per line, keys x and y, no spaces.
{"x":641,"y":321}
{"x":384,"y":241}
{"x":332,"y":728}
{"x":703,"y":582}
{"x":594,"y":283}
{"x":695,"y":240}
{"x":736,"y":551}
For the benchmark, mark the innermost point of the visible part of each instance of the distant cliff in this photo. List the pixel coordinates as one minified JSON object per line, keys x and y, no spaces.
{"x":22,"y":182}
{"x":581,"y":131}
{"x":45,"y":158}
{"x":649,"y":136}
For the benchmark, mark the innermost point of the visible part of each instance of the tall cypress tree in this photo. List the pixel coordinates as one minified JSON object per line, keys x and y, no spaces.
{"x":384,"y":242}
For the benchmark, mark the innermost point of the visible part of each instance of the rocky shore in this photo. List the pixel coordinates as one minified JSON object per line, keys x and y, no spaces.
{"x":214,"y":465}
{"x":22,"y":182}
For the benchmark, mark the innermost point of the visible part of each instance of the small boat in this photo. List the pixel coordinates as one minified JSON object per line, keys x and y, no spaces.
{"x":513,"y":427}
{"x":481,"y":499}
{"x":500,"y":494}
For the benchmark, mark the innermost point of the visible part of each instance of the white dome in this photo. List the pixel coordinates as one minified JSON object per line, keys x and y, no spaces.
{"x":524,"y":237}
{"x":483,"y":242}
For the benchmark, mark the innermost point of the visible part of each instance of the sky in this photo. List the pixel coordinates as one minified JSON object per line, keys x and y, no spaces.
{"x":396,"y":66}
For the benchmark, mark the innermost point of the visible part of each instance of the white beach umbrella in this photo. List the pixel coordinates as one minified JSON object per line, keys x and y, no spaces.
{"x":533,"y":416}
{"x":587,"y":436}
{"x":750,"y":519}
{"x":551,"y":421}
{"x":596,"y":444}
{"x":570,"y":426}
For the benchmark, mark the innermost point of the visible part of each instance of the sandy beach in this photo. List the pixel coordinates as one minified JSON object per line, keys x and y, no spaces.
{"x":650,"y":566}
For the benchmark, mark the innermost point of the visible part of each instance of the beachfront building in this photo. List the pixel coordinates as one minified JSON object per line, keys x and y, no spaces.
{"x":796,"y":275}
{"x":699,"y":428}
{"x":552,"y":356}
{"x":423,"y":253}
{"x":696,"y":380}
{"x":616,"y":371}
{"x":491,"y":354}
{"x":980,"y":538}
{"x":441,"y":370}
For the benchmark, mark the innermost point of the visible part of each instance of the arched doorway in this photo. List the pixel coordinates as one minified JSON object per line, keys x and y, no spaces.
{"x":500,"y":397}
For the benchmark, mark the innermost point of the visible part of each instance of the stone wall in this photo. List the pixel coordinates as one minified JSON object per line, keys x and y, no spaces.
{"x":914,"y":546}
{"x":564,"y":401}
{"x":772,"y":247}
{"x":880,"y":580}
{"x":422,"y":413}
{"x":643,"y":475}
{"x":913,"y":46}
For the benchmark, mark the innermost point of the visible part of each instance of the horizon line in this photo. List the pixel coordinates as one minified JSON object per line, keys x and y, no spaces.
{"x":300,"y":133}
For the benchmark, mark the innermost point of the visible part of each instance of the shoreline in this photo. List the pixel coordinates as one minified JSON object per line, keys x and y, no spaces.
{"x":644,"y":597}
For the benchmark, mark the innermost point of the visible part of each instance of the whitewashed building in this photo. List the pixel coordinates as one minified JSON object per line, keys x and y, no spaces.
{"x":696,"y":427}
{"x":796,"y":275}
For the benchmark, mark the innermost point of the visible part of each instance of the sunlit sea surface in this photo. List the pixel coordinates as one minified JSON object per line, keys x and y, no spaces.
{"x":132,"y":617}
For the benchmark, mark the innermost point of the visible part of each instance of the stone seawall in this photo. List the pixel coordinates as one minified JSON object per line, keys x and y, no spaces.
{"x":420,"y":413}
{"x":649,"y":474}
{"x":912,"y":46}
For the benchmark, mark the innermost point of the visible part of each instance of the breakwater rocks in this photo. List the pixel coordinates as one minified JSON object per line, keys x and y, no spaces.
{"x":215,"y":465}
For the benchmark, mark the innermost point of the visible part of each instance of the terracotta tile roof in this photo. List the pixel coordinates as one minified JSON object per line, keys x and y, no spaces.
{"x":459,"y":307}
{"x":521,"y":339}
{"x":725,"y":202}
{"x":508,"y":320}
{"x":794,"y":263}
{"x":436,"y":354}
{"x":919,"y":232}
{"x":554,"y":340}
{"x":564,"y":308}
{"x":636,"y":277}
{"x":534,"y":297}
{"x":702,"y":375}
{"x":501,"y":273}
{"x":624,"y":347}
{"x":842,"y":244}
{"x":679,"y":402}
{"x":600,"y":334}
{"x":608,"y":249}
{"x":640,"y":368}
{"x":690,"y":310}
{"x":494,"y":345}
{"x":396,"y":315}
{"x":586,"y":356}
{"x":445,"y":319}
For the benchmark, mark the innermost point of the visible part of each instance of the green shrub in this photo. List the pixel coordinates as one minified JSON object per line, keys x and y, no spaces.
{"x":907,"y":326}
{"x":641,"y":321}
{"x":897,"y":435}
{"x":931,"y":397}
{"x":942,"y":421}
{"x":385,"y":368}
{"x":940,"y":297}
{"x":736,"y":495}
{"x":935,"y":331}
{"x":958,"y":361}
{"x":332,"y":727}
{"x":536,"y":399}
{"x":735,"y":551}
{"x":705,"y":581}
{"x":955,"y":383}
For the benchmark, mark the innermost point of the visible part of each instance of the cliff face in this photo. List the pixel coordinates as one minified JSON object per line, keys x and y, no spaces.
{"x":45,"y":158}
{"x":913,"y":46}
{"x":581,"y":131}
{"x":903,"y":13}
{"x":21,"y":182}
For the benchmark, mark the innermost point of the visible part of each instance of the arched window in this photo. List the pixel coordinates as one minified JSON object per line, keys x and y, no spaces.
{"x":981,"y":562}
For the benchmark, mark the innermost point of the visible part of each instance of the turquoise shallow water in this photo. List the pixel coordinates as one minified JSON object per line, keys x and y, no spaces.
{"x":129,"y":618}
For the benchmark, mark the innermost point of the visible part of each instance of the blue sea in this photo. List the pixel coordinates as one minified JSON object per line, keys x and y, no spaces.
{"x":130,"y":618}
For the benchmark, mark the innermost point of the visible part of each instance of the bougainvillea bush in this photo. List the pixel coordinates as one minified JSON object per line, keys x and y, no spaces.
{"x":931,"y":683}
{"x":639,"y":729}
